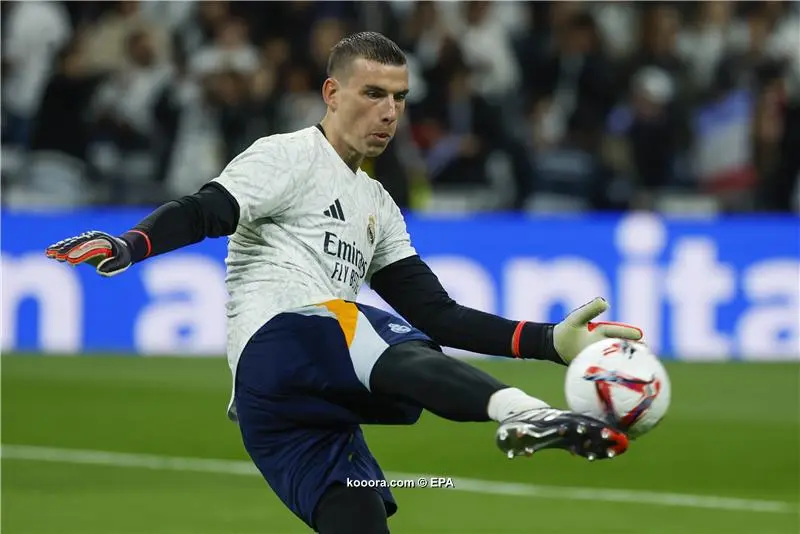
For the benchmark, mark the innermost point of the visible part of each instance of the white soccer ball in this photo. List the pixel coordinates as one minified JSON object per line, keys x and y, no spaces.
{"x":621,"y":382}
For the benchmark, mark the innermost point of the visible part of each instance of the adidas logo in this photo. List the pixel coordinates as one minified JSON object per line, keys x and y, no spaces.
{"x":335,"y":211}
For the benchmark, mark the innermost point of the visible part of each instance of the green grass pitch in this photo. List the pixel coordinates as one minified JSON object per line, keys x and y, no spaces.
{"x":733,"y":431}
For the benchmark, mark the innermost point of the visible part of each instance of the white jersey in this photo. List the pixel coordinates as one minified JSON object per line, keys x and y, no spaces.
{"x":310,"y":230}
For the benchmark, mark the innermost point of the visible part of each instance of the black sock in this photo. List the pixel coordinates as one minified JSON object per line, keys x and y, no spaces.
{"x":445,"y":386}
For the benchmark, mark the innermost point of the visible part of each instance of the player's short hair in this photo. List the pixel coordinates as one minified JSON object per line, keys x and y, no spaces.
{"x":372,"y":46}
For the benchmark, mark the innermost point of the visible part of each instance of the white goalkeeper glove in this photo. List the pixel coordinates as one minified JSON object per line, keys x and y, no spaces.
{"x":577,"y":331}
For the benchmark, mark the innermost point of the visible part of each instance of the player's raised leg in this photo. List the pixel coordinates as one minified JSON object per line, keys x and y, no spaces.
{"x":417,"y":372}
{"x":397,"y":361}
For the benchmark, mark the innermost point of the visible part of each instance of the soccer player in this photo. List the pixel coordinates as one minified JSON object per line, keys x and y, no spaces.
{"x":307,"y":227}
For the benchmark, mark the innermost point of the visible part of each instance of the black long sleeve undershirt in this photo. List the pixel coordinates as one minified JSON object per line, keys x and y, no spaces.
{"x":409,"y":285}
{"x":211,"y":212}
{"x":413,"y":290}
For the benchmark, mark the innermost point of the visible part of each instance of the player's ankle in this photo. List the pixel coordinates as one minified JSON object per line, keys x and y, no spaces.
{"x":511,"y":401}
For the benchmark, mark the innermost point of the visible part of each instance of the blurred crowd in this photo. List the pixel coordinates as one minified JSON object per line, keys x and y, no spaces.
{"x":545,"y":106}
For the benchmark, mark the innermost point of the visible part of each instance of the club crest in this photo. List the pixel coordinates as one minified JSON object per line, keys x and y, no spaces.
{"x":371,"y":230}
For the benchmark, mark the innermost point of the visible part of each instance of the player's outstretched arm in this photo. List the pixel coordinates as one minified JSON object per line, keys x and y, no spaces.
{"x":414,"y":291}
{"x":256,"y":184}
{"x":211,"y":212}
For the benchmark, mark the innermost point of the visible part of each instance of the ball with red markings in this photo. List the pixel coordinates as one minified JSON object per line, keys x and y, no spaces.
{"x":621,"y":382}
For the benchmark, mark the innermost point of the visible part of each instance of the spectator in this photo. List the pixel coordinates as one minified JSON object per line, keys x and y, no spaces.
{"x":230,"y":51}
{"x":62,"y":124}
{"x":424,"y":34}
{"x":125,"y":112}
{"x":703,"y":42}
{"x":649,"y":129}
{"x":300,"y":104}
{"x":325,"y":33}
{"x":56,"y":173}
{"x":33,"y":34}
{"x":572,"y":176}
{"x":195,"y":148}
{"x":453,"y":129}
{"x":618,"y":25}
{"x":659,"y":48}
{"x":577,"y":75}
{"x":780,"y":186}
{"x":201,"y":29}
{"x":486,"y":45}
{"x":108,"y":40}
{"x":462,"y":130}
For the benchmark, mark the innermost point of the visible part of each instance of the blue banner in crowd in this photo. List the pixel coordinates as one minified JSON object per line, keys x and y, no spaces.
{"x":715,"y":289}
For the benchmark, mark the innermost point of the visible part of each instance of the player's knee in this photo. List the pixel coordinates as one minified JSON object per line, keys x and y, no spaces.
{"x":343,"y":510}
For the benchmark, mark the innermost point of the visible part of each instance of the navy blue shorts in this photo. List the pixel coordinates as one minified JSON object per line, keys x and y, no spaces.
{"x":302,"y":390}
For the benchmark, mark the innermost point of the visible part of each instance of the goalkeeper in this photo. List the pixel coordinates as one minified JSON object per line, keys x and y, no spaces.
{"x":310,"y":365}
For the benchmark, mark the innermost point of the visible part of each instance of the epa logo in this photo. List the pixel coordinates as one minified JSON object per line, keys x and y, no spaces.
{"x":399,"y":328}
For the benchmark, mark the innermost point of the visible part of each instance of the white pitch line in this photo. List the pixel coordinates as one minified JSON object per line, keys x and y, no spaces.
{"x":237,"y":467}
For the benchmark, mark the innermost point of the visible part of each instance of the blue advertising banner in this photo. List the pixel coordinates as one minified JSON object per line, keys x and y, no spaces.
{"x":702,"y":289}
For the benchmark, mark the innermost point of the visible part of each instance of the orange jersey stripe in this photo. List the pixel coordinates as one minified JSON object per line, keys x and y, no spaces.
{"x":347,"y":315}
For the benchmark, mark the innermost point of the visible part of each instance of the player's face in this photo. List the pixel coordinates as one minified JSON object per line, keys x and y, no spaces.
{"x":371,"y":102}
